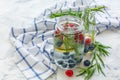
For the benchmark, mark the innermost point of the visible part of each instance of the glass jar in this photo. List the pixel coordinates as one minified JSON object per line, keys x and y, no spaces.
{"x":68,"y":42}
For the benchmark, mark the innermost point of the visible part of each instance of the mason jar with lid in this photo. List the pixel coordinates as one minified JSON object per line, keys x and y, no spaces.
{"x":68,"y":42}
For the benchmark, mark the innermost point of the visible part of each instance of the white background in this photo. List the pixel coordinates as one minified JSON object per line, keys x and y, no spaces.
{"x":20,"y":13}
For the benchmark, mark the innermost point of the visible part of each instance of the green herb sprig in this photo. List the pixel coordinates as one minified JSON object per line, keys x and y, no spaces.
{"x":97,"y":62}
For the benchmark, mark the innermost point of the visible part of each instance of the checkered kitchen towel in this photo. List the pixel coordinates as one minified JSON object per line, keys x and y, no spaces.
{"x":33,"y":44}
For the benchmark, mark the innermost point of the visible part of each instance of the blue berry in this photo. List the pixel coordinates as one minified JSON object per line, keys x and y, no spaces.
{"x":66,"y":53}
{"x":86,"y":49}
{"x":66,"y":57}
{"x":87,"y":63}
{"x":64,"y":65}
{"x":91,"y":46}
{"x":59,"y":43}
{"x":60,"y":62}
{"x":71,"y":65}
{"x":71,"y":61}
{"x":72,"y":56}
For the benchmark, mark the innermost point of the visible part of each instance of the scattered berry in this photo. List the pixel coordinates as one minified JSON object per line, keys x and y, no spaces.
{"x":86,"y":62}
{"x":91,"y":46}
{"x":69,"y":73}
{"x":86,"y":49}
{"x":87,"y":40}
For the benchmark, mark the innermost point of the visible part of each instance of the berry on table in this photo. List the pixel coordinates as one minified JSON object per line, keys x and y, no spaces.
{"x":87,"y":40}
{"x":69,"y":73}
{"x":86,"y":49}
{"x":87,"y":63}
{"x":91,"y":46}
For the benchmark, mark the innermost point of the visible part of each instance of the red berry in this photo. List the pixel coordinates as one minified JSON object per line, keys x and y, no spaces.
{"x":71,"y":25}
{"x":57,"y":31}
{"x":87,"y":40}
{"x":65,"y":28}
{"x":69,"y":73}
{"x":81,"y":37}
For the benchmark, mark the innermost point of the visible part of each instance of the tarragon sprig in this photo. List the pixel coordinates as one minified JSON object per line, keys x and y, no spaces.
{"x":97,"y":62}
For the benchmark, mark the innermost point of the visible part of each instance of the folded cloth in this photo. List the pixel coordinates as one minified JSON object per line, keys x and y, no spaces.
{"x":33,"y":44}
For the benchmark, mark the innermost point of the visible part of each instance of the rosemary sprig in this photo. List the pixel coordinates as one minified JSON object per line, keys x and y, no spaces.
{"x":69,"y":12}
{"x":76,"y":13}
{"x":88,"y":16}
{"x":97,"y":62}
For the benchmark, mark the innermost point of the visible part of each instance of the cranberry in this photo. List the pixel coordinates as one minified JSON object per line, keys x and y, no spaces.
{"x":69,"y":73}
{"x":71,"y":25}
{"x":81,"y":37}
{"x":57,"y":31}
{"x":87,"y":40}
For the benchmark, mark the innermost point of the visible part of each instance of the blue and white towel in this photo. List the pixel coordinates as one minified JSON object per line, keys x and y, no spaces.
{"x":33,"y":44}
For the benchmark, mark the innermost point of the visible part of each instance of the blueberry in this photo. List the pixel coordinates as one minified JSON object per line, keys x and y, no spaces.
{"x":64,"y":65}
{"x":86,"y":49}
{"x":71,"y":65}
{"x":91,"y":46}
{"x":71,"y":61}
{"x":72,"y":56}
{"x":60,"y":62}
{"x":66,"y":57}
{"x":66,"y":53}
{"x":86,"y":62}
{"x":59,"y":43}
